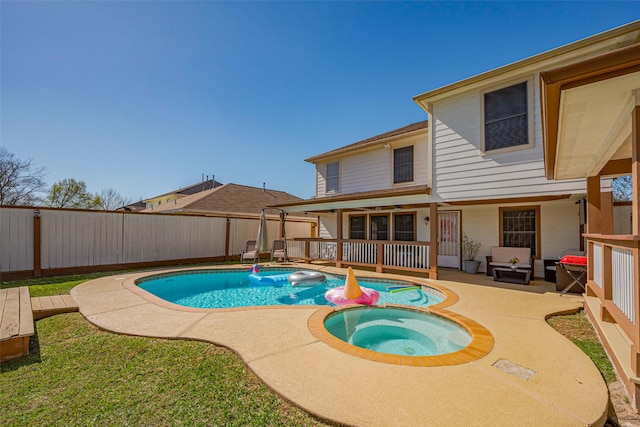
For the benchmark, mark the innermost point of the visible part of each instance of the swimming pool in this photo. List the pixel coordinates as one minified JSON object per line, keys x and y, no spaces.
{"x":232,"y":288}
{"x":395,"y":330}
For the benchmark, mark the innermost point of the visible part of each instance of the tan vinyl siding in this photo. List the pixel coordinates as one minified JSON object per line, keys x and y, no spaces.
{"x":559,"y":229}
{"x":461,"y":172}
{"x":373,"y":170}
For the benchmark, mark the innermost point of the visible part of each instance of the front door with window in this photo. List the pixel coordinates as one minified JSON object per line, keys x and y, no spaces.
{"x":449,"y":239}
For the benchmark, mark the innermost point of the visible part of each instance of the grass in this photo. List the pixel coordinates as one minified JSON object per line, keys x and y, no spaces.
{"x":579,"y":330}
{"x":78,"y":375}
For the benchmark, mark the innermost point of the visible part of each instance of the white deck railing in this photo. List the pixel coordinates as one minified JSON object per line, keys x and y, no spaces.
{"x":613,"y":261}
{"x":381,"y":254}
{"x":597,"y":264}
{"x":622,"y":280}
{"x":406,"y":255}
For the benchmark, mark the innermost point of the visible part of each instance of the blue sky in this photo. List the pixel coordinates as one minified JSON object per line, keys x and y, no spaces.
{"x":145,"y":97}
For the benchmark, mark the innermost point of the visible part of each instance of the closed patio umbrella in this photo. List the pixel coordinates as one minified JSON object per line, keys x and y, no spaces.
{"x":262,"y":241}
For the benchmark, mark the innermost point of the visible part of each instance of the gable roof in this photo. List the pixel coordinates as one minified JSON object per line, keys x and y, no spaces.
{"x":618,"y":37}
{"x":403,"y":131}
{"x":227,"y":198}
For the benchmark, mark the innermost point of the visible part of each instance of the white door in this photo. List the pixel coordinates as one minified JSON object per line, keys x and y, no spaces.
{"x":449,"y":239}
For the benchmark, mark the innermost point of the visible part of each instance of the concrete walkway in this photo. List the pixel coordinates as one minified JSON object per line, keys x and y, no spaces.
{"x":532,"y":376}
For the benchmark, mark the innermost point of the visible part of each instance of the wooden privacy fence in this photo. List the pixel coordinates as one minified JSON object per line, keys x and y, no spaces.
{"x":38,"y":242}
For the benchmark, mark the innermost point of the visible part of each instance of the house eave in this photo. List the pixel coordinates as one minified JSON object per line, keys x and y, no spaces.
{"x":425,"y":99}
{"x":415,"y":195}
{"x":352,"y":148}
{"x":555,"y":83}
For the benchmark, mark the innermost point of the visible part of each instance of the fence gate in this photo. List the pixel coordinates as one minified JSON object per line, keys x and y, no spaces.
{"x":449,"y":239}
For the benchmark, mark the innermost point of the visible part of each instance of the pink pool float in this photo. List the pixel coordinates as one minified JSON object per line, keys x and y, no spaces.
{"x":352,"y":293}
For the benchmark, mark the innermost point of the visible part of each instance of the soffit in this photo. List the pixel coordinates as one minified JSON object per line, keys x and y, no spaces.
{"x":595,"y":126}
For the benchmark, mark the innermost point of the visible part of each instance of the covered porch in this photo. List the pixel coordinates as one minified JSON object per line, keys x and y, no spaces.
{"x":392,"y":229}
{"x":591,"y":130}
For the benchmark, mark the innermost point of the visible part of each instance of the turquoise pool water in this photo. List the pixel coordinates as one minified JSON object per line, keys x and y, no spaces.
{"x":398,"y":331}
{"x":232,"y":288}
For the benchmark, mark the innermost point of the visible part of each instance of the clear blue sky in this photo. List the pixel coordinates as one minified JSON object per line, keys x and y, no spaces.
{"x":145,"y":97}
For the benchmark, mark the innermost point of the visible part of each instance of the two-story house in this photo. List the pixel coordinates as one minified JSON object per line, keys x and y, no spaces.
{"x":476,"y":167}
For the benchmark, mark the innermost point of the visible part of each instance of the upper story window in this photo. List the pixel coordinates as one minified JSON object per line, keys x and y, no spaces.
{"x":507,"y":118}
{"x":403,"y":164}
{"x":333,"y":177}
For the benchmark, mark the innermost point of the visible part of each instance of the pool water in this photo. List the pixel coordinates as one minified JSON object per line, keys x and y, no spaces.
{"x":232,"y":288}
{"x":397,"y":331}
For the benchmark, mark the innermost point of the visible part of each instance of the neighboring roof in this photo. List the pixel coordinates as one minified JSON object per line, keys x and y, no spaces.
{"x":227,"y":198}
{"x":403,"y":131}
{"x":133,"y":207}
{"x":191,"y":189}
{"x":621,"y":36}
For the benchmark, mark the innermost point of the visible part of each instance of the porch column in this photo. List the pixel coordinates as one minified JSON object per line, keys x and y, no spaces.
{"x":594,"y":205}
{"x":433,"y":241}
{"x":606,"y":213}
{"x":635,"y":215}
{"x":339,"y":230}
{"x":37,"y":244}
{"x":635,"y":170}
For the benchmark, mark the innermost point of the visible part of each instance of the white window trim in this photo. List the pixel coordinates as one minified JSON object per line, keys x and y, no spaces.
{"x":393,"y":166}
{"x":530,"y":117}
{"x":326,"y":178}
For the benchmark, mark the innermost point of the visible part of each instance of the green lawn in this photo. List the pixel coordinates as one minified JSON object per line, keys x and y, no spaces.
{"x":78,"y":375}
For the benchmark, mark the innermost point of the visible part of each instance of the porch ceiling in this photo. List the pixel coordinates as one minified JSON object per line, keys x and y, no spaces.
{"x":586,"y":110}
{"x":595,"y":126}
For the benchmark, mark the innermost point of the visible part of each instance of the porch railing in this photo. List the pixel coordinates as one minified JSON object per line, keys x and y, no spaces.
{"x":383,"y":255}
{"x":614,"y":265}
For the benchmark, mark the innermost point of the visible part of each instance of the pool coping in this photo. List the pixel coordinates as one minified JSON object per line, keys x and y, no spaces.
{"x":301,"y":368}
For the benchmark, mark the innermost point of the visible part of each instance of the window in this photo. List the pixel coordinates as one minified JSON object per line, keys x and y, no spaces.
{"x":403,"y":165}
{"x":333,"y":177}
{"x":379,"y":227}
{"x":357,"y":227}
{"x":403,"y":227}
{"x":506,"y":118}
{"x":520,"y":227}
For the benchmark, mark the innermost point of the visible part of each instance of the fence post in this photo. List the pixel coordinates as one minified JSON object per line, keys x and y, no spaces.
{"x":37,"y":244}
{"x":227,"y":240}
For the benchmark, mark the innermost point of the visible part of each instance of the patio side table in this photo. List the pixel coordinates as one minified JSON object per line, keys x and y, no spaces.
{"x":510,"y":275}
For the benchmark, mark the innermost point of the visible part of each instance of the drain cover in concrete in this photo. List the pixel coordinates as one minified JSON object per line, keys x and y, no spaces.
{"x":514,"y":369}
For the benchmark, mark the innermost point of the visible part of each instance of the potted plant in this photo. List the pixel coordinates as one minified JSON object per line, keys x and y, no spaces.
{"x":469,"y":253}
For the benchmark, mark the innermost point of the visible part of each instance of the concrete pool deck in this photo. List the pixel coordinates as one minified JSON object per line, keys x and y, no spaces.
{"x":531,"y":376}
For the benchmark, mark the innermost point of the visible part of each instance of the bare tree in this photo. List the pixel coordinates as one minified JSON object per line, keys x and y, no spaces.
{"x":70,"y":193}
{"x":21,"y":182}
{"x":111,"y":200}
{"x":622,"y":187}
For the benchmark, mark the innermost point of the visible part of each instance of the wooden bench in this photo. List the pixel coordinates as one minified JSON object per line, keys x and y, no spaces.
{"x":16,"y":323}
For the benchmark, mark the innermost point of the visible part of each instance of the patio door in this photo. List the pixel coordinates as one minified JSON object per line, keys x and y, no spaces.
{"x":449,"y":239}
